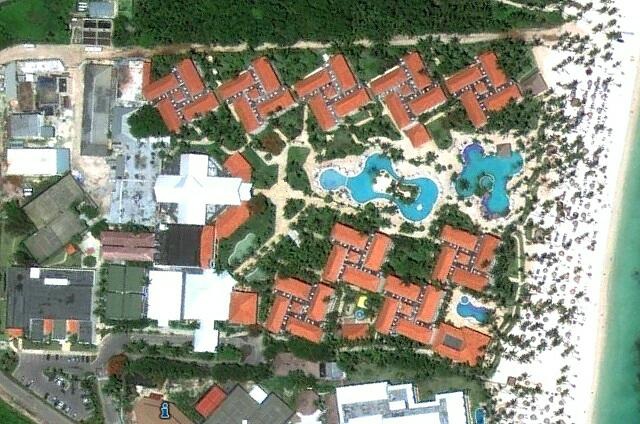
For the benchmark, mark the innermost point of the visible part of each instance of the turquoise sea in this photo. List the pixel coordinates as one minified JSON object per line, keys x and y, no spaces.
{"x":618,"y":392}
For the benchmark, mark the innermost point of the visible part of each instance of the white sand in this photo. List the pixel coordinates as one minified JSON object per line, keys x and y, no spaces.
{"x":578,"y":262}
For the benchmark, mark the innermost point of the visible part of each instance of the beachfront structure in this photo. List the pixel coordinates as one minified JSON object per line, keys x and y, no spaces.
{"x":180,"y":96}
{"x":37,"y":162}
{"x":356,"y":258}
{"x":299,"y":308}
{"x":126,"y":246}
{"x":197,"y":296}
{"x":465,"y":259}
{"x":383,"y":403}
{"x":256,"y":94}
{"x":48,"y":303}
{"x":332,"y":92}
{"x":408,"y":91}
{"x":197,"y":187}
{"x":463,"y":345}
{"x":482,"y":87}
{"x":408,"y":310}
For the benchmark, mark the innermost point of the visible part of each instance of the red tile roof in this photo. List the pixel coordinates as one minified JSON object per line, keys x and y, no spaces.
{"x":361,"y":279}
{"x":430,"y":304}
{"x":304,"y":329}
{"x":246,"y":116}
{"x":416,"y":67}
{"x":146,"y":73}
{"x":490,"y":64}
{"x":347,"y":235}
{"x":387,"y":313}
{"x":413,"y":331}
{"x":320,"y":303}
{"x":427,"y":101}
{"x":169,"y":115}
{"x":122,"y":253}
{"x":355,"y":331}
{"x":294,"y":287}
{"x":14,"y":332}
{"x":343,"y":72}
{"x":418,"y":135}
{"x":202,"y":105}
{"x":393,"y":285}
{"x":486,"y":252}
{"x":353,"y":256}
{"x":47,"y":326}
{"x":351,"y":103}
{"x":459,"y":237}
{"x":124,"y":246}
{"x":499,"y":100}
{"x":187,"y":70}
{"x":377,"y":251}
{"x":73,"y":326}
{"x":387,"y":81}
{"x":268,"y":77}
{"x":334,"y":263}
{"x":178,"y":96}
{"x":278,"y":311}
{"x":207,"y":236}
{"x":397,"y":110}
{"x":124,"y":238}
{"x":275,"y":104}
{"x":312,"y":82}
{"x":474,"y":110}
{"x":238,"y":166}
{"x":160,"y":87}
{"x":322,"y":113}
{"x":470,"y":280}
{"x":232,"y":218}
{"x":243,"y":308}
{"x":463,"y":258}
{"x":463,"y":78}
{"x":460,"y":344}
{"x":443,"y":265}
{"x":480,"y":87}
{"x":210,"y":401}
{"x":232,"y":87}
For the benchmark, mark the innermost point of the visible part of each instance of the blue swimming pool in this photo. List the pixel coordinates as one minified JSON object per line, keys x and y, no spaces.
{"x":488,"y":175}
{"x":479,"y":415}
{"x":361,"y":187}
{"x":466,"y":309}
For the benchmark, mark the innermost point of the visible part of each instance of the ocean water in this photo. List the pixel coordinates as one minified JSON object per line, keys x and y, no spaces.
{"x":618,"y":392}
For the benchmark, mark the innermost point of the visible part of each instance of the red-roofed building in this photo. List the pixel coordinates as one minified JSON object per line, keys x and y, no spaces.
{"x":256,"y":95}
{"x":418,"y":135}
{"x":380,"y":245}
{"x":473,"y":108}
{"x":459,"y":238}
{"x":428,"y":309}
{"x":346,"y":235}
{"x":14,"y":333}
{"x":444,"y":263}
{"x":398,"y":110}
{"x":277,"y":314}
{"x":463,"y":78}
{"x":238,"y":166}
{"x":486,"y":252}
{"x":207,"y":237}
{"x":355,"y":331}
{"x":469,"y":279}
{"x":361,"y":279}
{"x":320,"y":303}
{"x":180,"y":96}
{"x":413,"y":331}
{"x":499,"y":100}
{"x":427,"y":101}
{"x":332,"y":92}
{"x":496,"y":75}
{"x":396,"y":287}
{"x":460,"y":344}
{"x":125,"y":246}
{"x":333,"y":267}
{"x":304,"y":330}
{"x":47,"y":326}
{"x":210,"y":401}
{"x":243,"y":308}
{"x":391,"y":79}
{"x":232,"y":218}
{"x":73,"y":326}
{"x":293,"y":287}
{"x":386,"y":315}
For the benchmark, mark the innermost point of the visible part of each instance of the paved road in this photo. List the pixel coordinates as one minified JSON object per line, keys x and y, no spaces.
{"x":31,"y":403}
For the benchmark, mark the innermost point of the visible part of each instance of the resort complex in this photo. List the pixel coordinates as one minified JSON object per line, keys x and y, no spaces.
{"x":329,"y":212}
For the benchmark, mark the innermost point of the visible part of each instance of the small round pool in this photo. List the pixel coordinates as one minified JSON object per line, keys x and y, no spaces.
{"x":359,"y":314}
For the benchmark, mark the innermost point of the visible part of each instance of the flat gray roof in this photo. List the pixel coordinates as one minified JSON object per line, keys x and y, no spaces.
{"x":98,"y":94}
{"x":239,"y":406}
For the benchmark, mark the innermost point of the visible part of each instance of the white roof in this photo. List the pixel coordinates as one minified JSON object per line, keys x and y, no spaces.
{"x":36,"y":162}
{"x":194,"y":189}
{"x":164,"y":296}
{"x":258,"y":394}
{"x":205,"y":339}
{"x":362,"y":393}
{"x":207,"y":296}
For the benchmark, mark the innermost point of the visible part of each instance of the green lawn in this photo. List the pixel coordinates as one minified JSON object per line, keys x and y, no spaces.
{"x":439,"y":129}
{"x":264,"y":176}
{"x":35,"y":21}
{"x":8,"y":244}
{"x":9,"y":415}
{"x":125,"y":8}
{"x":296,"y":175}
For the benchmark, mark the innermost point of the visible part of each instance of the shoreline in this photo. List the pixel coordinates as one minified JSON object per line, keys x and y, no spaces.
{"x":603,"y":313}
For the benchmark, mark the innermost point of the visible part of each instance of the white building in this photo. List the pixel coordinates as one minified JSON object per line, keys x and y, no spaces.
{"x":37,"y":162}
{"x":181,"y":295}
{"x":197,"y":187}
{"x":382,"y":403}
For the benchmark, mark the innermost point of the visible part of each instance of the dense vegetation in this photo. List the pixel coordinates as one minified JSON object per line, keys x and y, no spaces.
{"x":230,"y":22}
{"x":8,"y":415}
{"x":296,"y":176}
{"x":147,"y":122}
{"x":35,"y":21}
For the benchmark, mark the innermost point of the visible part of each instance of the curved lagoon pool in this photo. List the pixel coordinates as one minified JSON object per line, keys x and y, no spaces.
{"x":362,"y":190}
{"x":488,"y":175}
{"x":466,"y":309}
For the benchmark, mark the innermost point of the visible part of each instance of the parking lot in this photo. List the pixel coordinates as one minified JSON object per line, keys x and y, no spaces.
{"x":56,"y":378}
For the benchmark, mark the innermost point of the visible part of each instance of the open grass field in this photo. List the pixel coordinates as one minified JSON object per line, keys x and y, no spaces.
{"x":8,"y":415}
{"x":35,"y":21}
